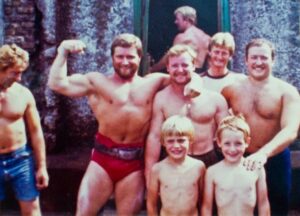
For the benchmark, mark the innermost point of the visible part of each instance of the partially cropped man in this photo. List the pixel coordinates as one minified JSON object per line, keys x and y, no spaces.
{"x":272,"y":108}
{"x":22,"y":159}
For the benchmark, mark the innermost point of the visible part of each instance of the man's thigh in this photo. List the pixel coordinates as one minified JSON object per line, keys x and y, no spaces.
{"x":129,"y":193}
{"x":95,"y":188}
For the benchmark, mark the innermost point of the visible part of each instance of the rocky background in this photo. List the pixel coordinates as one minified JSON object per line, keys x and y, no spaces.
{"x":276,"y":20}
{"x":40,"y":25}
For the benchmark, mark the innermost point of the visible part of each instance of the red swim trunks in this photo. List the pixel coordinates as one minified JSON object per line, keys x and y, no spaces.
{"x":118,"y":160}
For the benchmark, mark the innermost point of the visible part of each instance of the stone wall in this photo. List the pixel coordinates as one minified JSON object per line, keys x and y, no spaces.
{"x":276,"y":20}
{"x":19,"y":23}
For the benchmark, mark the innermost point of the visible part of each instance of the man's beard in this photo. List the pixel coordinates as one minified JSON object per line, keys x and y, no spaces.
{"x":126,"y":75}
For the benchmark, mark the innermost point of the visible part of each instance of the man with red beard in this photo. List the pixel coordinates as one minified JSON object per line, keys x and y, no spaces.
{"x":272,"y":109}
{"x":205,"y":110}
{"x":122,"y":104}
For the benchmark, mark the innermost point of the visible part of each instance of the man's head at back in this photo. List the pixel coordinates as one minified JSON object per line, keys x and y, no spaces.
{"x":184,"y":17}
{"x":126,"y":52}
{"x":260,"y":54}
{"x":13,"y":61}
{"x":181,"y":63}
{"x":177,"y":134}
{"x":233,"y":137}
{"x":221,"y":49}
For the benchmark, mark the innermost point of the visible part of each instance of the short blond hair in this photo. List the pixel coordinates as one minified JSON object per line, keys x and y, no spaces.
{"x":188,"y":13}
{"x":12,"y":56}
{"x":224,"y":39}
{"x":177,"y":125}
{"x":234,"y":123}
{"x":178,"y":49}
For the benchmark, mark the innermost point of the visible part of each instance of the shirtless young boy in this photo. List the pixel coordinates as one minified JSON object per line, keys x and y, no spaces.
{"x":235,"y":189}
{"x":177,"y":179}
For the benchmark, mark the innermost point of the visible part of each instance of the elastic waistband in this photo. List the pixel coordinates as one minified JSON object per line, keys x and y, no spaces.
{"x":110,"y":143}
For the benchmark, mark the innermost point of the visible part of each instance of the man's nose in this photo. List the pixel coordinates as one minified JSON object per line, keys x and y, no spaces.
{"x":125,"y":61}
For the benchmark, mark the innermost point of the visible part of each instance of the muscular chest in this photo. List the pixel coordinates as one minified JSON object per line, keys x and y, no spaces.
{"x":264,"y":103}
{"x":12,"y":107}
{"x":198,"y":109}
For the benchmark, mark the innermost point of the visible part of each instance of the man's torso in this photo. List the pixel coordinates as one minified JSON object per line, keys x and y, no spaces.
{"x":12,"y":126}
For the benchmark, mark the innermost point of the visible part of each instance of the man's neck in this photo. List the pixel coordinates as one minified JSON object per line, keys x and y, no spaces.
{"x":217,"y":72}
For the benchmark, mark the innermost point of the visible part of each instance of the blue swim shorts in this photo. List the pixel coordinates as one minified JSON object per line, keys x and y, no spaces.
{"x":17,"y":169}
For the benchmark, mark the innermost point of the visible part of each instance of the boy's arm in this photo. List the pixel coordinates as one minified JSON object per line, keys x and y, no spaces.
{"x":152,"y":192}
{"x":75,"y":85}
{"x":208,"y":195}
{"x":38,"y":143}
{"x":262,"y":194}
{"x":153,"y":145}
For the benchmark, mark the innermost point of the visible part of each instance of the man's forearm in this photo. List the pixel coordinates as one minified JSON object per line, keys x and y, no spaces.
{"x":281,"y":141}
{"x":58,"y":71}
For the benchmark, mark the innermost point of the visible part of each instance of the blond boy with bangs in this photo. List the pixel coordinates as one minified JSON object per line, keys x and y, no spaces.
{"x":235,"y":189}
{"x":178,"y":179}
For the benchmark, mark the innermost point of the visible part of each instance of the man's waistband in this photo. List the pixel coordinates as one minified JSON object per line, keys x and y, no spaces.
{"x":125,"y":153}
{"x":16,"y":152}
{"x":105,"y":145}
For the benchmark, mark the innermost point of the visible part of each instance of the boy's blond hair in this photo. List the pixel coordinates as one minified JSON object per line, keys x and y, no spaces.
{"x":224,"y":39}
{"x":188,"y":13}
{"x":12,"y":56}
{"x":234,"y":123}
{"x":177,"y":125}
{"x":178,"y":49}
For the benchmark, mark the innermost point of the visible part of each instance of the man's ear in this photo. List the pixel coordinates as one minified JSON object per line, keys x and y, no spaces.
{"x":218,"y":142}
{"x":248,"y":140}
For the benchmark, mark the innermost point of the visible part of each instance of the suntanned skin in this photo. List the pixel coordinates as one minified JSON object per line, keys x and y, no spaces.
{"x":235,"y":189}
{"x":270,"y":106}
{"x":177,"y":181}
{"x":219,"y":57}
{"x":189,"y":35}
{"x":17,"y":106}
{"x":205,"y":110}
{"x":122,"y":104}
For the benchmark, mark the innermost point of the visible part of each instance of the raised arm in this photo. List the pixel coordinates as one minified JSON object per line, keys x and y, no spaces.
{"x":37,"y":139}
{"x":153,"y":145}
{"x":208,"y":195}
{"x":75,"y":85}
{"x":262,"y":194}
{"x":152,"y":192}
